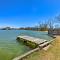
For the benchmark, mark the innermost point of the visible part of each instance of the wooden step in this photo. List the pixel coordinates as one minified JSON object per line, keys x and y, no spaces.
{"x":44,"y":44}
{"x":46,"y":48}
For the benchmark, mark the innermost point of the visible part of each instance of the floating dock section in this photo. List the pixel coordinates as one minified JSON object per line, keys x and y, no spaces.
{"x":31,"y":41}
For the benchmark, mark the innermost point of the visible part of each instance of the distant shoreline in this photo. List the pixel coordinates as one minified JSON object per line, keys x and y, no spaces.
{"x":22,"y":29}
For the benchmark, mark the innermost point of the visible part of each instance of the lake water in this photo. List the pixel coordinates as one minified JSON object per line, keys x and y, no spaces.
{"x":10,"y":47}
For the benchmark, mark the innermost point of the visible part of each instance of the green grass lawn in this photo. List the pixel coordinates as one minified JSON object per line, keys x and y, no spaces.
{"x":53,"y":53}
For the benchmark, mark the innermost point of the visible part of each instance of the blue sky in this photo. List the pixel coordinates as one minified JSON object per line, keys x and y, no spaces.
{"x":21,"y":13}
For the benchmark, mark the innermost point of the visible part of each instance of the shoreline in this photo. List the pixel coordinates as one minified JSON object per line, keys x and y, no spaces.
{"x":53,"y":53}
{"x":34,"y":50}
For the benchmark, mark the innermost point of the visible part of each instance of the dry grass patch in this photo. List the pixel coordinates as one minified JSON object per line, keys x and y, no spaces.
{"x":53,"y":53}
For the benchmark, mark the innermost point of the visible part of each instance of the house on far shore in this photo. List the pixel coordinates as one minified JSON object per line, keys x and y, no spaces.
{"x":55,"y":31}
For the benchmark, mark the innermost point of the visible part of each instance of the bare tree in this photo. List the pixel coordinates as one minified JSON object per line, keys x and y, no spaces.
{"x":50,"y":23}
{"x":43,"y":26}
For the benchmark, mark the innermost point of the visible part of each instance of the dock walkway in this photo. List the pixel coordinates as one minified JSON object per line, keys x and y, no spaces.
{"x":32,"y":39}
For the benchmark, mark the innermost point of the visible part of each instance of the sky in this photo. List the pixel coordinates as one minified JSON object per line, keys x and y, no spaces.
{"x":24,"y":13}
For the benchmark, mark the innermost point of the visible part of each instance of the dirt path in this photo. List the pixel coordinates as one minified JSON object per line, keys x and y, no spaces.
{"x":53,"y":53}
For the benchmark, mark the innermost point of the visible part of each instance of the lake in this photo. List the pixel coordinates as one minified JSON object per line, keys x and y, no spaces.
{"x":10,"y":47}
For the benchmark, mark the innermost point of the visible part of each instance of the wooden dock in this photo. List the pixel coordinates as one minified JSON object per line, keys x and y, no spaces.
{"x":32,"y":39}
{"x":42,"y":44}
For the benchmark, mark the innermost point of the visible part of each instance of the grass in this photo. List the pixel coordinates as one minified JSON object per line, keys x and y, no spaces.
{"x":53,"y":53}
